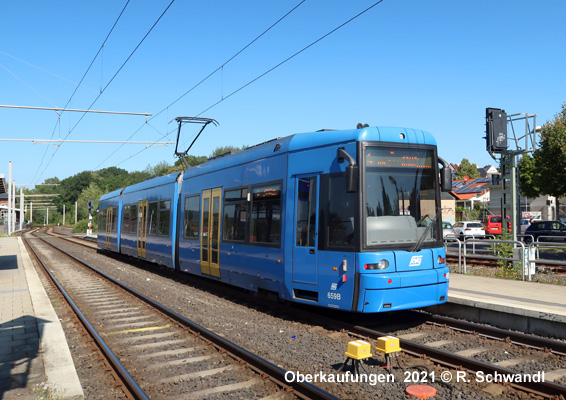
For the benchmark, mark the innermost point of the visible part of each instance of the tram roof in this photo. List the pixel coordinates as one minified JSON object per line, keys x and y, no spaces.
{"x":309,"y":140}
{"x":154,"y":182}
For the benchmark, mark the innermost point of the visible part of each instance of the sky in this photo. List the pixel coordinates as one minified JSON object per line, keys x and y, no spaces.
{"x":432,"y":65}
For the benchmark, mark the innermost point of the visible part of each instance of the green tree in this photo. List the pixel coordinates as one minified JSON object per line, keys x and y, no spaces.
{"x":92,"y":192}
{"x":466,"y":168}
{"x":160,"y":169}
{"x":546,"y":172}
{"x":110,"y":179}
{"x":191,"y":160}
{"x":528,"y":177}
{"x":71,"y":188}
{"x":221,"y":150}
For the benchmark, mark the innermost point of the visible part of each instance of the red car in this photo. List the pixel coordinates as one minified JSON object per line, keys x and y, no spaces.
{"x":493,"y":225}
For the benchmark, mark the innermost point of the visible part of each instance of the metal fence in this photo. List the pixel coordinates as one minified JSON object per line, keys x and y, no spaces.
{"x":527,"y":254}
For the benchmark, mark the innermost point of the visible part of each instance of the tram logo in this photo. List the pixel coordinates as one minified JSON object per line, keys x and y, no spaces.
{"x":416,"y":261}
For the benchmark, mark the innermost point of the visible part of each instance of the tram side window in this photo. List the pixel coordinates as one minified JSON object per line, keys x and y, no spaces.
{"x":235,"y":215}
{"x":338,"y":210}
{"x":306,"y":212}
{"x":164,"y":217}
{"x":133,"y":218}
{"x":192,"y":213}
{"x":102,"y":220}
{"x":266,"y":215}
{"x":130,"y":218}
{"x":126,"y":219}
{"x":152,"y":219}
{"x":114,"y":219}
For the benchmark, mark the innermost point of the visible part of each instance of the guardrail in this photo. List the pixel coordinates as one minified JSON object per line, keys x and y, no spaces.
{"x":473,"y":240}
{"x":538,"y":244}
{"x":528,"y":257}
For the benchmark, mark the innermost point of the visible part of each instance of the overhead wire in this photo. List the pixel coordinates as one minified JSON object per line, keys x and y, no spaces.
{"x":289,"y":58}
{"x":111,"y":79}
{"x":26,"y":84}
{"x":81,"y":81}
{"x":271,"y":69}
{"x":221,"y":67}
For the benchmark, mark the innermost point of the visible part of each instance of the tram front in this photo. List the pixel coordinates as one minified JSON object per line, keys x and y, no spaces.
{"x":402,"y":261}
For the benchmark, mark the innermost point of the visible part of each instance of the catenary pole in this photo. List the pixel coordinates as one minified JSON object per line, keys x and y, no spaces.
{"x":22,"y":215}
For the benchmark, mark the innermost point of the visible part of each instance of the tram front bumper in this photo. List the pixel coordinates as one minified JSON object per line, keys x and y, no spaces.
{"x":401,"y":291}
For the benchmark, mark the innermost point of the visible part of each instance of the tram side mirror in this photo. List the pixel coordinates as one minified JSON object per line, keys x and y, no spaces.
{"x":352,"y":178}
{"x":352,"y":170}
{"x":445,"y":179}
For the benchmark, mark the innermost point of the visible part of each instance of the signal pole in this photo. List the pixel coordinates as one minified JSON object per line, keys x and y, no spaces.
{"x":509,"y":144}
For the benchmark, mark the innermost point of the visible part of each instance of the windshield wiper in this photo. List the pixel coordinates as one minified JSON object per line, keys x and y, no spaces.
{"x":419,"y":243}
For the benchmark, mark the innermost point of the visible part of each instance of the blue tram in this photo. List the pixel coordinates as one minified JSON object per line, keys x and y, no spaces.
{"x":341,"y":219}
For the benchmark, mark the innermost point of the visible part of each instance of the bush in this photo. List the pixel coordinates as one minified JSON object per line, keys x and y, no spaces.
{"x":82,"y":226}
{"x":506,"y":268}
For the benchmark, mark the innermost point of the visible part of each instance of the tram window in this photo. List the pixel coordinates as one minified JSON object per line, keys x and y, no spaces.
{"x":192,"y":214}
{"x":125,"y":218}
{"x":235,"y":215}
{"x":133,"y":218}
{"x":164,"y":217}
{"x":129,"y":218}
{"x":338,"y":209}
{"x":114,"y":219}
{"x":306,"y":212}
{"x":266,"y":215}
{"x":102,"y":219}
{"x":152,"y":219}
{"x":341,"y":210}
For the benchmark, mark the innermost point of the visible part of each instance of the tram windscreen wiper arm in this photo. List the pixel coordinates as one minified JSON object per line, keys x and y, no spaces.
{"x":420,"y":242}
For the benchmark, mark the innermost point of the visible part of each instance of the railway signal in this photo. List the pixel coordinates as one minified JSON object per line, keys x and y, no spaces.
{"x":496,"y":130}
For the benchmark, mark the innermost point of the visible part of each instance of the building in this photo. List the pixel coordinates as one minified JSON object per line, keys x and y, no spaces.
{"x":470,"y":191}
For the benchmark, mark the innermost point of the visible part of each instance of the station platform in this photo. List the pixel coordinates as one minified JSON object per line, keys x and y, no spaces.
{"x":529,"y":307}
{"x":33,"y":348}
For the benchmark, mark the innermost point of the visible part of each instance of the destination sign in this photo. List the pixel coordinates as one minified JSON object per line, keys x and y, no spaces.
{"x":398,"y":158}
{"x":267,"y":192}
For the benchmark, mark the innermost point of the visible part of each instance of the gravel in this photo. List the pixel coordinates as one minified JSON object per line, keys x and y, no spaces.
{"x":288,"y":341}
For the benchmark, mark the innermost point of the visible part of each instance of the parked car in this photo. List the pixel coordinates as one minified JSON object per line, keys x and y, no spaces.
{"x":525,"y":224}
{"x":493,"y":225}
{"x":447,"y":229}
{"x":469,"y":228}
{"x":556,"y":231}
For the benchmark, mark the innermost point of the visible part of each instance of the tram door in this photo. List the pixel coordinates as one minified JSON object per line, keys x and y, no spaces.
{"x":305,"y":257}
{"x":142,"y":227}
{"x":210,"y":232}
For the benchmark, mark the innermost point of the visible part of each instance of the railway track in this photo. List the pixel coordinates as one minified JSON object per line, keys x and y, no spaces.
{"x":154,"y":351}
{"x":88,"y":244}
{"x":465,"y":350}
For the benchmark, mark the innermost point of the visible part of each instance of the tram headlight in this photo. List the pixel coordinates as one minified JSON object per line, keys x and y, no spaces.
{"x":383,"y":264}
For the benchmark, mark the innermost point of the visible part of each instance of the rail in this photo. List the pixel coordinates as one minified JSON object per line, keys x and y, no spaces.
{"x":131,"y":387}
{"x":276,"y":374}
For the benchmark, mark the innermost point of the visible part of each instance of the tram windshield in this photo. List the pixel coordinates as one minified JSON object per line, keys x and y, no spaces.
{"x":400,"y":196}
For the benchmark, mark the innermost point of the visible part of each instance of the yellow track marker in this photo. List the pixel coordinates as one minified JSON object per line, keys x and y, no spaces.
{"x":151,"y":328}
